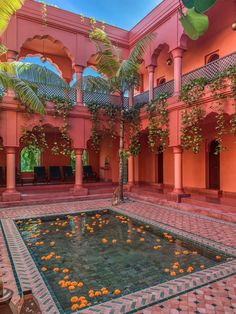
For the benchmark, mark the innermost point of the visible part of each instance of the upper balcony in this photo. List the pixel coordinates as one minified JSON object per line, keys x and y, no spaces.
{"x":208,"y":71}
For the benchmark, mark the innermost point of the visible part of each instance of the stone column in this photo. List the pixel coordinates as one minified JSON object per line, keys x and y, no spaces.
{"x":78,"y":188}
{"x":151,"y":71}
{"x":10,"y":194}
{"x":178,"y":170}
{"x":78,"y":168}
{"x":177,"y":55}
{"x":130,"y":173}
{"x":178,"y":191}
{"x":79,"y":77}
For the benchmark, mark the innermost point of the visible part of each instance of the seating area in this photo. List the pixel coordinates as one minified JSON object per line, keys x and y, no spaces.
{"x":52,"y":174}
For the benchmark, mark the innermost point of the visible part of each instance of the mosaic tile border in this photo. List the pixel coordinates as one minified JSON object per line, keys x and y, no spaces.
{"x":29,"y":276}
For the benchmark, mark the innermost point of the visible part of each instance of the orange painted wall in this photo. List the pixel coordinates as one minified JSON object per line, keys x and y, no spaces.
{"x":146,"y":162}
{"x":93,"y":158}
{"x":218,"y":37}
{"x":109,"y":148}
{"x":228,"y":165}
{"x":194,"y":169}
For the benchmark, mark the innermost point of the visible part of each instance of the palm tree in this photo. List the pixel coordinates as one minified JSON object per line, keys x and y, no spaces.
{"x":118,"y":77}
{"x":7,"y":9}
{"x":23,"y":78}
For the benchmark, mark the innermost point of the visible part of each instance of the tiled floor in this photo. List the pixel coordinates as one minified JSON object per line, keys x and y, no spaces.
{"x":219,"y":297}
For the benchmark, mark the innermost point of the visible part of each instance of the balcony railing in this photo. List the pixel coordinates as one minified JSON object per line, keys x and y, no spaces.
{"x":166,"y":88}
{"x":141,"y":98}
{"x":103,"y":98}
{"x":210,"y":70}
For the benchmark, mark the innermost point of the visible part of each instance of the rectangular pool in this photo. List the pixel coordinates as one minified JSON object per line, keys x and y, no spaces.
{"x":93,"y":257}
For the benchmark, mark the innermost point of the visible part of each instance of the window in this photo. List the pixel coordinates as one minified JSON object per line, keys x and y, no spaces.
{"x":29,"y":158}
{"x":160,"y":81}
{"x":212,"y":57}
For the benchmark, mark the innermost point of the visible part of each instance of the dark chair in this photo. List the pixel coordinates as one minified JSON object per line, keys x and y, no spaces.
{"x":2,"y":176}
{"x":55,"y":173}
{"x":89,"y":174}
{"x":67,"y":173}
{"x":18,"y":176}
{"x":40,"y":174}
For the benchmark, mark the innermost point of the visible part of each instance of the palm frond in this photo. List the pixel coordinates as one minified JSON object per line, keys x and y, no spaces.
{"x":95,"y":84}
{"x":38,"y":74}
{"x":3,"y":49}
{"x":108,"y":56}
{"x":140,"y":48}
{"x":23,"y":91}
{"x":7,"y":9}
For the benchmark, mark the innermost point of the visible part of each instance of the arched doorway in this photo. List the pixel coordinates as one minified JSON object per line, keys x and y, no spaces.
{"x":214,"y":166}
{"x":159,"y":166}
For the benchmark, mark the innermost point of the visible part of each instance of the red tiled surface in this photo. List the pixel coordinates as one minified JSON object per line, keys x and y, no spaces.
{"x":221,"y":293}
{"x":217,"y":298}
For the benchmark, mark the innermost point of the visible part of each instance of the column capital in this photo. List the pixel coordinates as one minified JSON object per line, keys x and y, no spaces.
{"x":11,"y":55}
{"x":79,"y":68}
{"x":151,"y":68}
{"x":177,"y":150}
{"x":177,"y":52}
{"x":79,"y":151}
{"x":10,"y":149}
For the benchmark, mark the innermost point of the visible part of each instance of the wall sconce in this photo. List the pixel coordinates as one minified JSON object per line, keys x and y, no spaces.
{"x":234,"y":26}
{"x":169,"y":61}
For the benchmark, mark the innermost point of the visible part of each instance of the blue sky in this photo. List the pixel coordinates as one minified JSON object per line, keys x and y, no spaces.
{"x":121,"y":13}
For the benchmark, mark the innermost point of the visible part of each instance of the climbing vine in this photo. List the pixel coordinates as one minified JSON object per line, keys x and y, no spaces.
{"x":112,"y":113}
{"x":158,"y":127}
{"x":132,"y":118}
{"x":37,"y":137}
{"x":191,"y":94}
{"x":93,"y":108}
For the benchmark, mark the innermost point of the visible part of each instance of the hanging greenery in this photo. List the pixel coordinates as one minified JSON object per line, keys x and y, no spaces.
{"x":35,"y":139}
{"x":191,"y":137}
{"x":191,"y":94}
{"x":132,"y":118}
{"x":62,"y":108}
{"x":112,"y":114}
{"x":158,"y":127}
{"x":44,"y":13}
{"x":93,"y":108}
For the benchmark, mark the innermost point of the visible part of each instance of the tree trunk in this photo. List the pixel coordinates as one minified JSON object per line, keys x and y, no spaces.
{"x":121,"y":152}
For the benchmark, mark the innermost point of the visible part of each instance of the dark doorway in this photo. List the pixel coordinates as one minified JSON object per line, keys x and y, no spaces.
{"x":160,"y":176}
{"x":214,"y":166}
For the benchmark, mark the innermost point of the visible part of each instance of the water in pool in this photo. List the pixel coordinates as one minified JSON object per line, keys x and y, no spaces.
{"x":92,"y":257}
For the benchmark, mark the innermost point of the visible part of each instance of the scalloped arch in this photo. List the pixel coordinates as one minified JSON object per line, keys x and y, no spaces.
{"x":55,"y":41}
{"x":40,"y":55}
